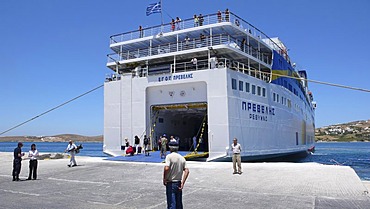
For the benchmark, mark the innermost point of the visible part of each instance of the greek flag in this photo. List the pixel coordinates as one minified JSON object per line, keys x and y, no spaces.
{"x":153,"y":8}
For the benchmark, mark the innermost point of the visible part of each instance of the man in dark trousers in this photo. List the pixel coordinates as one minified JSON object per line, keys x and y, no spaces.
{"x":17,"y":162}
{"x":175,"y":174}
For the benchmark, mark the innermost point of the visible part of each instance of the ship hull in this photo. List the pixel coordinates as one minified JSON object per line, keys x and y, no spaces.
{"x":207,"y":104}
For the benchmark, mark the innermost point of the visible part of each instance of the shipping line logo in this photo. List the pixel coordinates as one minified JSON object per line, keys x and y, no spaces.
{"x":257,"y":111}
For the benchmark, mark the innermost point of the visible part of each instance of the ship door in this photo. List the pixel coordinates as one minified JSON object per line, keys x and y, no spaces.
{"x":183,"y":121}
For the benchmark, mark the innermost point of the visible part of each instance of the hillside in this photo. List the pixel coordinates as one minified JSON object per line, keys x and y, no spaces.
{"x":352,"y":131}
{"x":56,"y":138}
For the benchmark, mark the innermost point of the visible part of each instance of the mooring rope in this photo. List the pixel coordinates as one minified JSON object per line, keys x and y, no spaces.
{"x":54,"y":108}
{"x":280,"y":75}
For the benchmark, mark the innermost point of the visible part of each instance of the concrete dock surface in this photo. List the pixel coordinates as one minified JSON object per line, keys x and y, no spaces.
{"x":98,"y":183}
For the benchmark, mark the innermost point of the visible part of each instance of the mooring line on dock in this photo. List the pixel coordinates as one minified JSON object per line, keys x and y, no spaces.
{"x":322,"y":82}
{"x":275,"y":74}
{"x":54,"y":108}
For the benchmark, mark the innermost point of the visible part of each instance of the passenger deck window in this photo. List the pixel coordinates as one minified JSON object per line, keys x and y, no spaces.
{"x":253,"y":89}
{"x":247,"y":87}
{"x":259,"y":90}
{"x":263,"y":92}
{"x":233,"y":83}
{"x":241,"y":85}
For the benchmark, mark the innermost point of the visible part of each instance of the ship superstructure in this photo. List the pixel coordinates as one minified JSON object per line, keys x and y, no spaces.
{"x":213,"y":80}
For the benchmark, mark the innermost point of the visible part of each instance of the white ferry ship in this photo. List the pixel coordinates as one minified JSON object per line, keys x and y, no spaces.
{"x":215,"y":79}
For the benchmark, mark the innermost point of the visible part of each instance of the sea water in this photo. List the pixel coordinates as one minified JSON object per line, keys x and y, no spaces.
{"x":353,"y":154}
{"x":93,"y":149}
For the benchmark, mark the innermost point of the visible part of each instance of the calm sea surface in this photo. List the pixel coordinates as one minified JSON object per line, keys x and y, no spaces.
{"x":89,"y":148}
{"x":354,"y":154}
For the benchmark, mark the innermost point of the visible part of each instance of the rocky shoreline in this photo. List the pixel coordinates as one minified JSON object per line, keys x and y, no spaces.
{"x":56,"y":138}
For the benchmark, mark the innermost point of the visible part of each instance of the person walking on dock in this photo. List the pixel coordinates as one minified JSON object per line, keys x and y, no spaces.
{"x":17,"y":162}
{"x":236,"y":148}
{"x":71,"y":148}
{"x":164,"y":146}
{"x":175,"y":174}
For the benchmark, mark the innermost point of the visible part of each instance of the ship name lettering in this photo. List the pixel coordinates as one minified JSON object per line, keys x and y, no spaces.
{"x":175,"y":77}
{"x":183,"y":76}
{"x":257,"y":117}
{"x":257,"y":108}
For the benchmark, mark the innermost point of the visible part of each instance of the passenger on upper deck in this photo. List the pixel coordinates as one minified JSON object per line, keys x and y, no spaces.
{"x":227,"y":15}
{"x":194,"y":61}
{"x":219,"y":17}
{"x":200,"y":19}
{"x":242,"y":45}
{"x":196,"y":21}
{"x":187,"y":39}
{"x":202,"y":39}
{"x":141,"y":31}
{"x":177,"y":21}
{"x":172,"y":25}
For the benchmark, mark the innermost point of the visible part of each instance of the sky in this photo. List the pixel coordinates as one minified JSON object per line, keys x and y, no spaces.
{"x":54,"y":50}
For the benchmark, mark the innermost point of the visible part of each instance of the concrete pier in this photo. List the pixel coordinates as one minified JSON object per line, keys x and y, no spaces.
{"x":97,"y":183}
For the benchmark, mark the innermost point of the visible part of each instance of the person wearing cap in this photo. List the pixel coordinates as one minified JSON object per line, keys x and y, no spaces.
{"x":236,"y":148}
{"x":175,"y":174}
{"x":17,"y":162}
{"x":71,"y":148}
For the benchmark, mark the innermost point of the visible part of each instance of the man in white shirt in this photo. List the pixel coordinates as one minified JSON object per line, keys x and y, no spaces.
{"x":33,"y":154}
{"x":236,"y":148}
{"x":175,"y":174}
{"x":71,"y":148}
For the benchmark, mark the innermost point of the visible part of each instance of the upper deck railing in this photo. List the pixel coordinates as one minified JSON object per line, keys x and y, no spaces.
{"x":190,"y":23}
{"x":196,"y":66}
{"x":206,"y":41}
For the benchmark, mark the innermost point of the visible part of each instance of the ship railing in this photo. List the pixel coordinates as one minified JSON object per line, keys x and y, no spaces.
{"x":219,"y":63}
{"x":206,"y":41}
{"x":112,"y":77}
{"x":207,"y":20}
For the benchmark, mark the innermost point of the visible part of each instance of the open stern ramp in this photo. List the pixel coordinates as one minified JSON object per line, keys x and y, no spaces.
{"x":183,"y":122}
